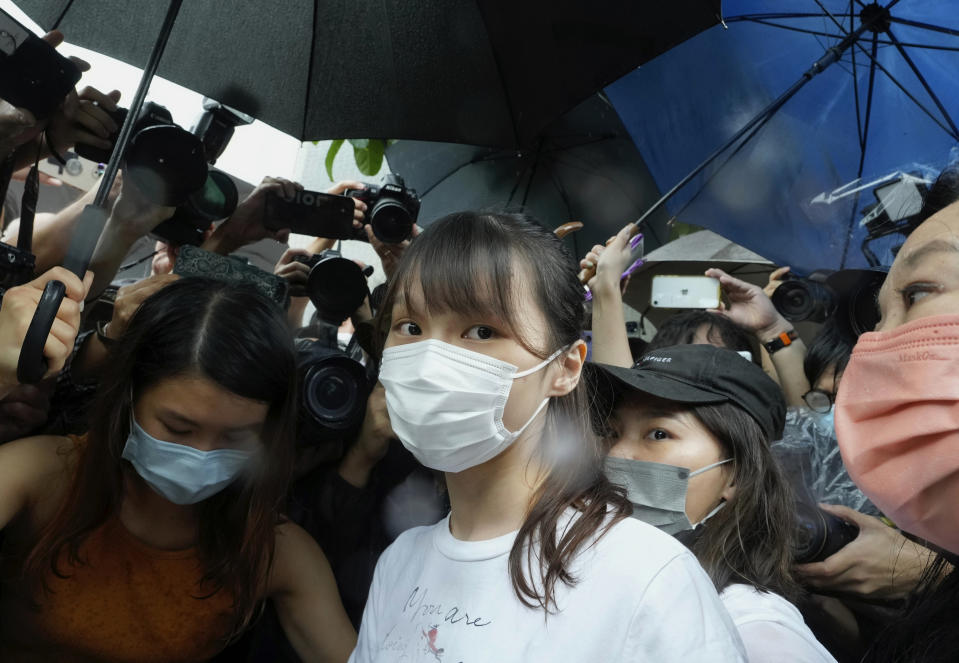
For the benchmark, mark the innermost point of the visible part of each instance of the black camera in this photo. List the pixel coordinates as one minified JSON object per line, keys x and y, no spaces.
{"x":171,"y":166}
{"x":334,"y":389}
{"x":820,"y":534}
{"x":336,"y":285}
{"x":16,"y":266}
{"x":850,"y":295}
{"x":392,"y":208}
{"x":33,"y":75}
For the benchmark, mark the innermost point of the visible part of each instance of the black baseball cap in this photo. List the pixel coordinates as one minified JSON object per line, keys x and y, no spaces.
{"x":704,"y":374}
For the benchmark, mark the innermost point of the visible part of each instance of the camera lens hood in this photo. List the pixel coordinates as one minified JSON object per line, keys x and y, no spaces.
{"x":166,"y":163}
{"x":337,"y":288}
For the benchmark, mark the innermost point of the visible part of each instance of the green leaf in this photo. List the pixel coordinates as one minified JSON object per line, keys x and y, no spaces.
{"x":331,"y":155}
{"x":360,"y":143}
{"x":369,"y":160}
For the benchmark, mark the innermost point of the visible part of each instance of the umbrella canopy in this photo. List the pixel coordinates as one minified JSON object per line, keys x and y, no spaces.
{"x":796,"y":190}
{"x":584,"y":168}
{"x":486,"y":72}
{"x":692,"y":255}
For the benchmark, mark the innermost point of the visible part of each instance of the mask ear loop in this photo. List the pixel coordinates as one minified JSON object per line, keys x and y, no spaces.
{"x":539,"y":366}
{"x":722,"y":503}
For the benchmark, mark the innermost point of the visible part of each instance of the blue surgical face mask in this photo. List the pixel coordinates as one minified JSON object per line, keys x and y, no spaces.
{"x":180,"y":473}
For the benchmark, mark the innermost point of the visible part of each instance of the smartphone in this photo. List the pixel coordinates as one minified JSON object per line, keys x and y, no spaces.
{"x":685,"y":292}
{"x":33,"y":75}
{"x":311,"y":213}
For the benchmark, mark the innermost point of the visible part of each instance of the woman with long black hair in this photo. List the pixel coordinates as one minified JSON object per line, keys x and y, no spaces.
{"x":158,"y":535}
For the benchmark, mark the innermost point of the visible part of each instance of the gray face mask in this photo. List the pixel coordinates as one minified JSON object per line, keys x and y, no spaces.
{"x":658,"y":491}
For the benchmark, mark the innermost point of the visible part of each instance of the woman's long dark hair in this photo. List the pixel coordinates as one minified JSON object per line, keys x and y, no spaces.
{"x":237,"y":338}
{"x":751,"y":540}
{"x":927,"y":631}
{"x":468,"y":263}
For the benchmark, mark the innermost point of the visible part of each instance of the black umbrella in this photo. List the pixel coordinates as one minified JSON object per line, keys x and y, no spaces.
{"x":481,"y":71}
{"x":584,"y":167}
{"x":485,"y":72}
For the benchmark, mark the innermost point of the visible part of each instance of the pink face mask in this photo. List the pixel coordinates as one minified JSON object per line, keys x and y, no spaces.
{"x":897,"y":421}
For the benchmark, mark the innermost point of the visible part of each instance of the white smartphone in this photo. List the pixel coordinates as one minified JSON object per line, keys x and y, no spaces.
{"x":685,"y":292}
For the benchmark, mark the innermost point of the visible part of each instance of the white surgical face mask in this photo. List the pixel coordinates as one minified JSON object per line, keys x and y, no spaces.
{"x":658,"y":491}
{"x":179,"y":473}
{"x":446,"y":403}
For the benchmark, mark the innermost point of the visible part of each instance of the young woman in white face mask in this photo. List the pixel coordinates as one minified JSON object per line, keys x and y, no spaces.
{"x":689,"y":435}
{"x":537,"y":560}
{"x":156,"y":536}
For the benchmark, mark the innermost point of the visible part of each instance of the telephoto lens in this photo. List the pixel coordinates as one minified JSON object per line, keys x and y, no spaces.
{"x":336,"y":286}
{"x":801,"y":300}
{"x":334,"y":389}
{"x":820,"y":534}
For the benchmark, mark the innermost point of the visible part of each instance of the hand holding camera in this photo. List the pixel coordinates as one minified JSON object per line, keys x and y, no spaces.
{"x":84,"y":118}
{"x":16,"y":313}
{"x":246,"y":224}
{"x":879,"y":563}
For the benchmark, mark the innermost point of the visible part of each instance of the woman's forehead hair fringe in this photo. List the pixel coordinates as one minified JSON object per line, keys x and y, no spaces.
{"x":480,"y":281}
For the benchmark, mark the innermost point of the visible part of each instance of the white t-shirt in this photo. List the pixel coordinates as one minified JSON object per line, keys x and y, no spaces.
{"x":641,"y":596}
{"x":772,"y":628}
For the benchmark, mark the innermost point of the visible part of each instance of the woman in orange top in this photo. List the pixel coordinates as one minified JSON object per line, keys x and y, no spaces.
{"x":158,"y":535}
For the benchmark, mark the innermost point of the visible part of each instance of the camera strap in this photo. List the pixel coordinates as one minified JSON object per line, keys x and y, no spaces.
{"x":28,"y":204}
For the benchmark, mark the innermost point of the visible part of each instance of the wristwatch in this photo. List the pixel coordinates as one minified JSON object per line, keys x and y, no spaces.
{"x":785,"y":339}
{"x":102,"y":333}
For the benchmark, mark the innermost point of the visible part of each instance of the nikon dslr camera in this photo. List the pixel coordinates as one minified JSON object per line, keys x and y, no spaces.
{"x":392,"y":208}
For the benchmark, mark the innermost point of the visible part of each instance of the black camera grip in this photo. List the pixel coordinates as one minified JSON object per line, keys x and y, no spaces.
{"x":32,"y":365}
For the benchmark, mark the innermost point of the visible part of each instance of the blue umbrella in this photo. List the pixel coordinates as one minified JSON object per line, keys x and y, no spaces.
{"x":788,"y":127}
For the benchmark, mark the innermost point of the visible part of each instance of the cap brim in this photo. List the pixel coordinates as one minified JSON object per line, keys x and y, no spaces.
{"x":660,"y":386}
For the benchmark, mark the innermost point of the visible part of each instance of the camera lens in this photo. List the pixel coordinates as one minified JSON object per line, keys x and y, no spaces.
{"x":863,"y":304}
{"x":392,"y":222}
{"x":810,"y":533}
{"x":337,"y":288}
{"x":216,"y":200}
{"x":803,"y":300}
{"x":820,"y":534}
{"x":166,"y":163}
{"x":334,"y":389}
{"x":330,"y":391}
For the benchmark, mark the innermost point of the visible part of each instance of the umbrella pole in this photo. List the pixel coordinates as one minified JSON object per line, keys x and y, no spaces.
{"x":831,"y":56}
{"x":32,"y":365}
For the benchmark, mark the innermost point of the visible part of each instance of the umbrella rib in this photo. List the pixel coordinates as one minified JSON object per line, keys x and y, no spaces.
{"x":924,"y":83}
{"x":832,"y":17}
{"x":925,"y":26}
{"x":872,"y":83}
{"x":855,"y":89}
{"x":750,"y":17}
{"x":309,"y":71}
{"x":761,"y":21}
{"x":63,"y":13}
{"x":908,"y":93}
{"x":502,"y":80}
